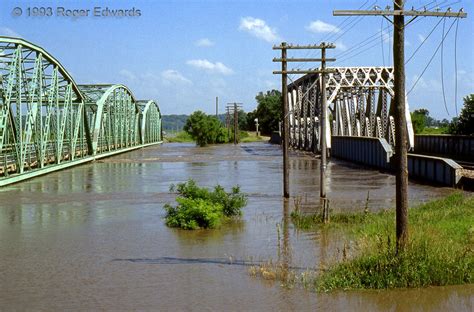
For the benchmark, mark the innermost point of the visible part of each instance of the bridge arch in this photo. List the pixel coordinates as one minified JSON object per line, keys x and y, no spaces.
{"x":40,"y":108}
{"x":150,"y":121}
{"x":112,"y":113}
{"x":49,"y":122}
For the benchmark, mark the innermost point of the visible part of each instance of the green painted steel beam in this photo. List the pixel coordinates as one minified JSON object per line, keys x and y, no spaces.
{"x":48,"y":122}
{"x":38,"y":172}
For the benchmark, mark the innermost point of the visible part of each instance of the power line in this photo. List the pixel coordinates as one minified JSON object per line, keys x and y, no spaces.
{"x":335,"y":31}
{"x":434,"y":54}
{"x":456,"y":67}
{"x":381,"y":41}
{"x":340,"y":26}
{"x":442,"y":69}
{"x":424,"y":40}
{"x":373,"y":38}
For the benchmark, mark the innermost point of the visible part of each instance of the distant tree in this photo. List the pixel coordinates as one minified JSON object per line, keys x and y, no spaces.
{"x":268,"y":112}
{"x":242,"y":117}
{"x":251,"y":120}
{"x":418,"y":119}
{"x":173,"y":122}
{"x":464,"y":125}
{"x":205,"y":129}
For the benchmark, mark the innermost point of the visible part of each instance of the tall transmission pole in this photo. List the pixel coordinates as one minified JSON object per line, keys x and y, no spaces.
{"x":401,"y":163}
{"x":284,"y":90}
{"x":236,"y":123}
{"x":233,"y":107}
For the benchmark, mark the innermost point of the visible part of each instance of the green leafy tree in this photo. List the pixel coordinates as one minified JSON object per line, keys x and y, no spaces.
{"x":268,"y":112}
{"x":418,"y":119}
{"x":464,"y":125}
{"x":205,"y":129}
{"x":251,"y":120}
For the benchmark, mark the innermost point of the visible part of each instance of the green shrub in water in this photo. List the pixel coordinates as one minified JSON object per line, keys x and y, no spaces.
{"x":193,"y":214}
{"x":200,"y":208}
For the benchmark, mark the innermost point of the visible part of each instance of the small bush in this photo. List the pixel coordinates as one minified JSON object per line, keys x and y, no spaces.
{"x":200,"y":208}
{"x":192,"y":214}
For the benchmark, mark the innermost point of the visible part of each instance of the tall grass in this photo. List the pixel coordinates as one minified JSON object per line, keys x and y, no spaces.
{"x":180,"y":137}
{"x":440,"y":249}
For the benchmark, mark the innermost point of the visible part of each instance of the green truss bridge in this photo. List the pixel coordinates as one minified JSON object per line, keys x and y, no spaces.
{"x":48,"y":122}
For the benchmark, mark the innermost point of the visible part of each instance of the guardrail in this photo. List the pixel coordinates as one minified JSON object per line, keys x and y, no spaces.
{"x":459,"y":147}
{"x":377,"y":153}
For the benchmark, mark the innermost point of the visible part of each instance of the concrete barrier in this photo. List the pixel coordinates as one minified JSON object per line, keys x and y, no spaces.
{"x":372,"y":152}
{"x":439,"y":170}
{"x":275,"y":138}
{"x":377,"y":153}
{"x":459,"y":147}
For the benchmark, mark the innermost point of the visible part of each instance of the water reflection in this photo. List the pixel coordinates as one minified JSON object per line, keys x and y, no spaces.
{"x":93,"y":237}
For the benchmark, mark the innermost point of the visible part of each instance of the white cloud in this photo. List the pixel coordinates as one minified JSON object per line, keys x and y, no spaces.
{"x":5,"y":31}
{"x":421,"y":38}
{"x":258,"y":28}
{"x":217,"y":67}
{"x":319,"y":26}
{"x":340,"y":46}
{"x":174,"y":76}
{"x":204,"y":42}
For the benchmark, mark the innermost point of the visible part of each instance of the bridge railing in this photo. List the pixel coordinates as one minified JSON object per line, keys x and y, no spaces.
{"x":457,"y":147}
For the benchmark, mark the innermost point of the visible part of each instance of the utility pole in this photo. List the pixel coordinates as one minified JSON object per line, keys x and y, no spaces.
{"x":233,"y":107}
{"x":401,"y":163}
{"x":227,"y":121}
{"x":323,"y":144}
{"x":236,"y":123}
{"x":284,"y":87}
{"x":286,"y":136}
{"x":217,"y":107}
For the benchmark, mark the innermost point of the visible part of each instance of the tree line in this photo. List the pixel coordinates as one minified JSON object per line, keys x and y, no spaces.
{"x":423,"y":123}
{"x":209,"y":129}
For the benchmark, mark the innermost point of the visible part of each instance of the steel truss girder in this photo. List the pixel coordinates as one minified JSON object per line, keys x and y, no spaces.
{"x":45,"y":115}
{"x":351,"y":103}
{"x":114,"y":117}
{"x":150,"y":121}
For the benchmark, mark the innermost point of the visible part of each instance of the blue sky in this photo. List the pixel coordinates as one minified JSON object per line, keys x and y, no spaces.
{"x":185,"y":53}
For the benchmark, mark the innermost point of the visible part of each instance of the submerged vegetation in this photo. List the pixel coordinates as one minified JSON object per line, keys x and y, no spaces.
{"x":440,"y":250}
{"x":179,"y":137}
{"x":199,"y":207}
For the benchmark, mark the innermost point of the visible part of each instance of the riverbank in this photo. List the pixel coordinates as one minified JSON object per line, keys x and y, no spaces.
{"x":440,"y":250}
{"x":246,"y":137}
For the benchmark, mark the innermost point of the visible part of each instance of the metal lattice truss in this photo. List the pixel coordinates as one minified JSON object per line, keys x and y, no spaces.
{"x":359,"y":103}
{"x":150,"y":131}
{"x":46,"y":119}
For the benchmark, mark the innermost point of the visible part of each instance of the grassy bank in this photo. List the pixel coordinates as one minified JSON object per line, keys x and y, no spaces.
{"x":440,"y":250}
{"x":247,"y":137}
{"x":180,"y":137}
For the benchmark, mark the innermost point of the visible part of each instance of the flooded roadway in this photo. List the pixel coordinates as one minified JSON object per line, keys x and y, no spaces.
{"x":93,"y":238}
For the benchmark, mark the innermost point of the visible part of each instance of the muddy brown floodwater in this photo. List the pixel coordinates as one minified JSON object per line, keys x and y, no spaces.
{"x":93,"y":238}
